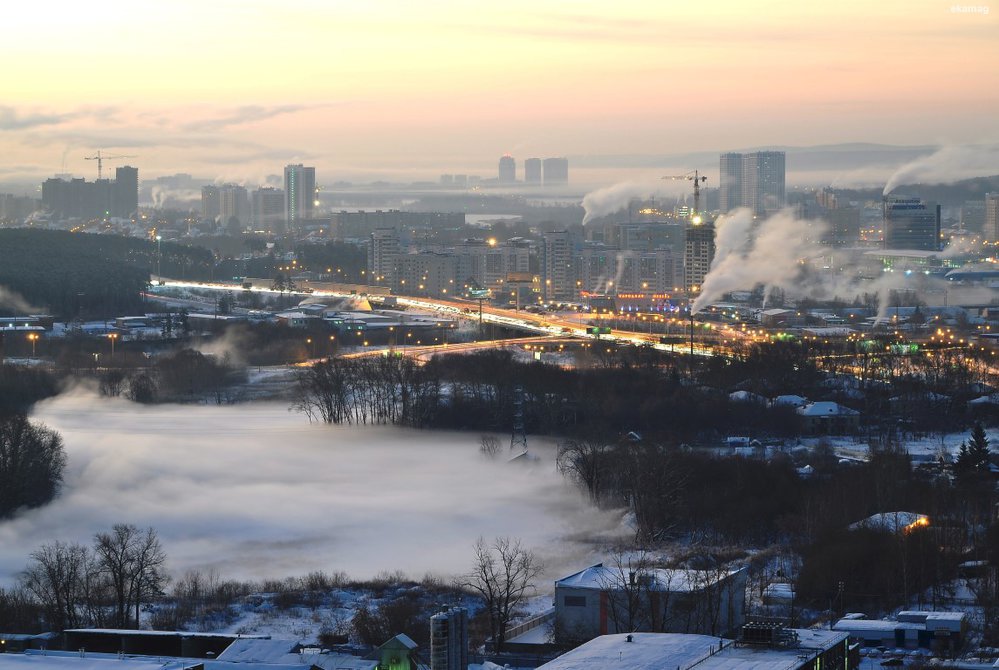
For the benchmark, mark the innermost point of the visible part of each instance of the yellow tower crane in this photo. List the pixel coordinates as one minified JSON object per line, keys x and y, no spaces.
{"x":100,"y":158}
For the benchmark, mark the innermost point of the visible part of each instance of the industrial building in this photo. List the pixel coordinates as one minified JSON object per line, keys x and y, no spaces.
{"x":449,"y":640}
{"x":760,"y":647}
{"x":941,"y":632}
{"x":601,"y":600}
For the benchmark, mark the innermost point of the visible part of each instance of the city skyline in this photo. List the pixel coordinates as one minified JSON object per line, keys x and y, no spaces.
{"x":380,"y":91}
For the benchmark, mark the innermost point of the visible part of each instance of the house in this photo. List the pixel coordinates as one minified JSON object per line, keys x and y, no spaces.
{"x":893,"y":522}
{"x":399,"y":653}
{"x":604,"y":600}
{"x":827,"y":417}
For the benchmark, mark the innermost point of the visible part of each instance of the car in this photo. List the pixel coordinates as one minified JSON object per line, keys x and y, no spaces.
{"x":892,"y":662}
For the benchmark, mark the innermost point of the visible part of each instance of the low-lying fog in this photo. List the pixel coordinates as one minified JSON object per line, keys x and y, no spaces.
{"x":256,"y":491}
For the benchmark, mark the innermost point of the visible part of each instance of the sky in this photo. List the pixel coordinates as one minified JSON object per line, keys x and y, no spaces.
{"x":371,"y":89}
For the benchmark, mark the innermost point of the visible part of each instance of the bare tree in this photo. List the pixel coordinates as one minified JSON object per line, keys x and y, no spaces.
{"x":56,"y":576}
{"x":31,"y":464}
{"x":503,"y":573}
{"x":489,"y":445}
{"x":132,"y":560}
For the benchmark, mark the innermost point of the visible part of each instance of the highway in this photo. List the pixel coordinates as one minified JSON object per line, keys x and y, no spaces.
{"x":538,"y":324}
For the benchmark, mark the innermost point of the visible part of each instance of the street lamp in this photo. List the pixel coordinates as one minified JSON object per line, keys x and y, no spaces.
{"x":34,"y":338}
{"x":112,"y":337}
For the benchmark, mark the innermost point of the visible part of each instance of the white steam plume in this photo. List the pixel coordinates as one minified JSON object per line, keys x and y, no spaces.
{"x":614,"y":198}
{"x":747,"y":255}
{"x":13,"y":300}
{"x":948,"y":165}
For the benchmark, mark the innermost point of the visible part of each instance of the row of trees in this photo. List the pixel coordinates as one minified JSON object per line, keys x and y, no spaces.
{"x":69,"y":585}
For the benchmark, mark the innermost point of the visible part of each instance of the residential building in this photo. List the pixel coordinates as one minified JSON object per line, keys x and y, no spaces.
{"x":383,"y":249}
{"x":267,"y":210}
{"x":730,"y":184}
{"x":507,"y":169}
{"x":556,"y":171}
{"x":532,"y":171}
{"x":698,"y":252}
{"x":991,"y":222}
{"x":233,"y":204}
{"x":426,"y":274}
{"x":558,"y":278}
{"x":756,"y":180}
{"x":78,"y":198}
{"x":211,"y":204}
{"x":300,"y":196}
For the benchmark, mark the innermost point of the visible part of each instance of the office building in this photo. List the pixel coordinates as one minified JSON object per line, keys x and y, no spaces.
{"x":909,"y":223}
{"x":267,"y":210}
{"x":558,"y":278}
{"x":556,"y":171}
{"x":755,"y":180}
{"x":300,"y":196}
{"x":991,"y":222}
{"x":532,"y":171}
{"x":507,"y":169}
{"x":698,"y":252}
{"x":383,"y":249}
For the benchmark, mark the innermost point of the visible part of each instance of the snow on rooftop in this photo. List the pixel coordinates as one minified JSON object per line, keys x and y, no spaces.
{"x":655,"y":651}
{"x":679,"y":580}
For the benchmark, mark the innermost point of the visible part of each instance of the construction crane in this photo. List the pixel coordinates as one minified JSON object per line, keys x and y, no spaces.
{"x":695,"y":177}
{"x":100,"y":158}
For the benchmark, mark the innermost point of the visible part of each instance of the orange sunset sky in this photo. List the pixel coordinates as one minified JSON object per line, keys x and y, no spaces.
{"x":410,"y":89}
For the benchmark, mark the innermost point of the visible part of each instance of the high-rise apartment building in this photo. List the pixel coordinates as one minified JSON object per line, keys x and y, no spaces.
{"x":532,"y":171}
{"x":79,"y":198}
{"x":507,"y":169}
{"x":755,"y":180}
{"x":992,"y":216}
{"x":267,"y":209}
{"x":909,"y":223}
{"x":383,"y":250}
{"x":730,"y":183}
{"x":558,"y":282}
{"x":300,"y":197}
{"x":234,"y":203}
{"x":698,"y":252}
{"x":125,"y":191}
{"x":211,"y":204}
{"x":556,"y":171}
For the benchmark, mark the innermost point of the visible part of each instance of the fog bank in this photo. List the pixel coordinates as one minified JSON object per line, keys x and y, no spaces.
{"x":256,"y":491}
